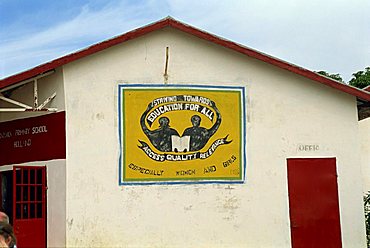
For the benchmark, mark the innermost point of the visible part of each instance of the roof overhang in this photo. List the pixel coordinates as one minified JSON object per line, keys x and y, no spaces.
{"x":364,"y":95}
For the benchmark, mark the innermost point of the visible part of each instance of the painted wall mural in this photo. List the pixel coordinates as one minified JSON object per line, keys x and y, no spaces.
{"x":181,"y":134}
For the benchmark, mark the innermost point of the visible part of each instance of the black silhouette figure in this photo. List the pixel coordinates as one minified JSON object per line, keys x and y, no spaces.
{"x":199,"y":136}
{"x":161,"y":137}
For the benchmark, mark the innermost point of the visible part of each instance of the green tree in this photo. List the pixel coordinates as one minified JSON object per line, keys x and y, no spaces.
{"x":361,"y":79}
{"x":333,"y":76}
{"x":367,"y":216}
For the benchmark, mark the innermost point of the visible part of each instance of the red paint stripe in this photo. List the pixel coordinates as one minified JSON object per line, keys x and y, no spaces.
{"x":170,"y":22}
{"x":80,"y":54}
{"x":271,"y":60}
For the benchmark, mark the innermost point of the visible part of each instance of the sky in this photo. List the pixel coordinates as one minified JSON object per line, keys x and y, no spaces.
{"x":330,"y":35}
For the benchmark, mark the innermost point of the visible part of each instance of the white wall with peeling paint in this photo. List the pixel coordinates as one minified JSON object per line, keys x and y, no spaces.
{"x":284,"y":111}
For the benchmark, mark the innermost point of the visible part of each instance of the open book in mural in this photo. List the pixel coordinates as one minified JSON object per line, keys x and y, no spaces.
{"x":182,"y":133}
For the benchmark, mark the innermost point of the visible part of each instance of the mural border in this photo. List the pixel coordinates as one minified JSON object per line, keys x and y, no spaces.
{"x":121,"y":128}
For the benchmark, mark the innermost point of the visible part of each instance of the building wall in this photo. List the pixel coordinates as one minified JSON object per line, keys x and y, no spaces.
{"x":284,"y":111}
{"x":56,"y":169}
{"x":56,"y":199}
{"x":364,"y":127}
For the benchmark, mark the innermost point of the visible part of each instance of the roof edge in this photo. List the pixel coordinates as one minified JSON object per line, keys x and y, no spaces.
{"x":171,"y":22}
{"x":83,"y":52}
{"x":271,"y":60}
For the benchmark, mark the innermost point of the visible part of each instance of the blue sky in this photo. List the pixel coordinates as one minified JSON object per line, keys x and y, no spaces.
{"x":331,"y":35}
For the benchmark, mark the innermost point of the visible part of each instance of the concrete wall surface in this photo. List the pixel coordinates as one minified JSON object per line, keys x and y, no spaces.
{"x":56,"y":169}
{"x":56,"y":199}
{"x":364,"y":126}
{"x":284,"y":111}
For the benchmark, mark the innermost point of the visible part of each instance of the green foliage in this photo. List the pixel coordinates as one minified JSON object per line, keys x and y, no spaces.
{"x":361,"y":79}
{"x":333,"y":76}
{"x":367,"y":216}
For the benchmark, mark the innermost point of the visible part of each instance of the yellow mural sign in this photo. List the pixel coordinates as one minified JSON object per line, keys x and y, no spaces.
{"x":178,"y":134}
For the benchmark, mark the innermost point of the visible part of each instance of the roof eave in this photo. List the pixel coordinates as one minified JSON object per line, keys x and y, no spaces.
{"x":82,"y":53}
{"x":170,"y":22}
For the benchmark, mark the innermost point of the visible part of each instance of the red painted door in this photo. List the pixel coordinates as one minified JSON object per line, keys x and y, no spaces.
{"x":29,"y":206}
{"x":313,"y":203}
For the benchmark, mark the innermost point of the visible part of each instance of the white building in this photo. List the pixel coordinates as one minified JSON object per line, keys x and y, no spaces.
{"x":276,"y":164}
{"x":364,"y":127}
